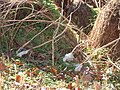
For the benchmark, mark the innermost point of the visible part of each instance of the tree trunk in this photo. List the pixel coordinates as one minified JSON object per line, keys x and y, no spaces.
{"x":82,"y":14}
{"x":106,"y":28}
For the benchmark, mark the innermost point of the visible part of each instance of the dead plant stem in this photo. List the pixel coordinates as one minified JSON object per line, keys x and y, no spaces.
{"x":54,"y":35}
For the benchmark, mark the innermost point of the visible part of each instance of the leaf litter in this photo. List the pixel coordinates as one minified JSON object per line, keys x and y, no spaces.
{"x":18,"y":75}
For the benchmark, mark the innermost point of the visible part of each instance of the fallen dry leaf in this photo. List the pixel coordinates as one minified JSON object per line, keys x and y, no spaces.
{"x":2,"y":66}
{"x":97,"y":86}
{"x":78,"y":88}
{"x":19,"y":63}
{"x":18,"y":78}
{"x":60,"y":76}
{"x":54,"y":70}
{"x":34,"y":73}
{"x":99,"y":75}
{"x":70,"y":86}
{"x":35,"y":69}
{"x":28,"y":73}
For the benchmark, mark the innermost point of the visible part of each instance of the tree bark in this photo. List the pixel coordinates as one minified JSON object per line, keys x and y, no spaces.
{"x":81,"y":16}
{"x":82,"y":13}
{"x":106,"y":28}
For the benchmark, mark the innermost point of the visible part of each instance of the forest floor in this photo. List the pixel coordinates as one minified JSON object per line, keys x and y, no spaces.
{"x":44,"y":68}
{"x":20,"y":75}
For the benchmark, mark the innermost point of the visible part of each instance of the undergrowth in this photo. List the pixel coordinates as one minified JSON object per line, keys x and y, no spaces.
{"x":33,"y":71}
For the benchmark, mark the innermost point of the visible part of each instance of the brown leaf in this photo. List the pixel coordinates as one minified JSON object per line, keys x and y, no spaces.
{"x":28,"y":73}
{"x":19,"y":63}
{"x":18,"y":78}
{"x":35,"y":69}
{"x":2,"y":66}
{"x":34,"y":73}
{"x":78,"y":88}
{"x":7,"y":70}
{"x":60,"y":76}
{"x":99,"y":75}
{"x":70,"y":86}
{"x":54,"y":70}
{"x":97,"y":86}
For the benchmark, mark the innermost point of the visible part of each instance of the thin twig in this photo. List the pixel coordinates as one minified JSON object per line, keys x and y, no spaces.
{"x":96,"y":50}
{"x":54,"y":35}
{"x":34,"y":37}
{"x":113,"y":63}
